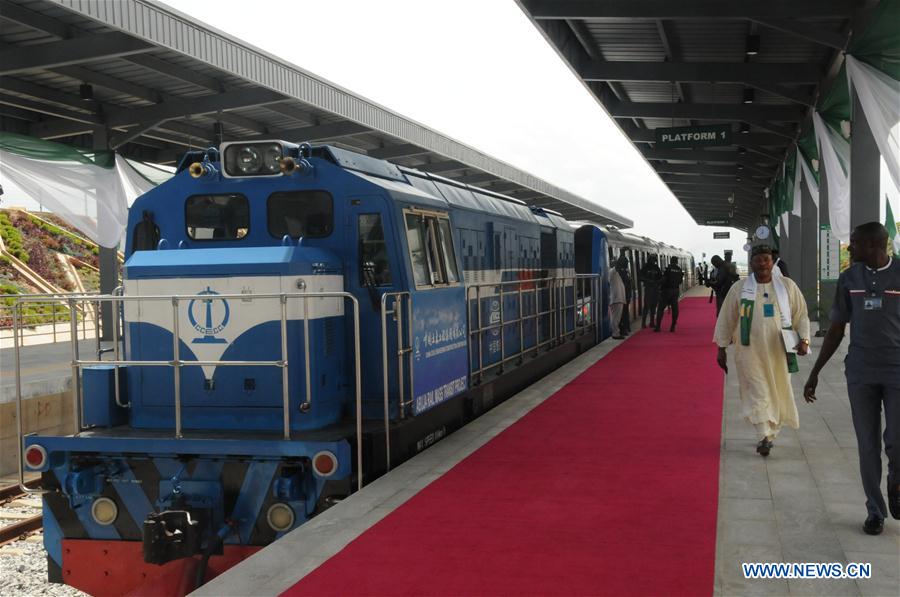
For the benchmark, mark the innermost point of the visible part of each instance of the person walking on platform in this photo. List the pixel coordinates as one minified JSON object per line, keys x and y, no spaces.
{"x":868,"y":298}
{"x":753,"y":316}
{"x":725,"y":276}
{"x":616,"y":302}
{"x":651,"y":277}
{"x":668,"y":291}
{"x":625,"y":275}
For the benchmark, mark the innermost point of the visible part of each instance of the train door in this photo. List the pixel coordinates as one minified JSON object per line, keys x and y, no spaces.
{"x":375,"y":270}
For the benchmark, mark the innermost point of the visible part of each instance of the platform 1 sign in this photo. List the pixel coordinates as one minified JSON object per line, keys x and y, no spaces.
{"x":721,"y":235}
{"x":693,"y":136}
{"x":720,"y":222}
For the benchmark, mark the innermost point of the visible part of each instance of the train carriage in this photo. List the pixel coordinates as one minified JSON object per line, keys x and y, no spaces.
{"x":294,"y":321}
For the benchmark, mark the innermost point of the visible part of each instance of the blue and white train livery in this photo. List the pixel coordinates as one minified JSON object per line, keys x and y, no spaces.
{"x":294,"y":320}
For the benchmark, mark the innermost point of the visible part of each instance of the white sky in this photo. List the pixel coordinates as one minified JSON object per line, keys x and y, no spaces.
{"x":480,"y":72}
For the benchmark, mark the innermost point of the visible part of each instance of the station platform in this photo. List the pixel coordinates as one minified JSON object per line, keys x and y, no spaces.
{"x":627,"y":471}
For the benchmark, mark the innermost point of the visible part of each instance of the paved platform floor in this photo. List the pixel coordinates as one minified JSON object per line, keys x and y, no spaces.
{"x":46,"y":368}
{"x":804,"y":503}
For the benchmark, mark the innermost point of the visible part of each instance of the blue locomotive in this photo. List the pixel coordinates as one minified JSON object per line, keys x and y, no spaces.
{"x":293,"y":321}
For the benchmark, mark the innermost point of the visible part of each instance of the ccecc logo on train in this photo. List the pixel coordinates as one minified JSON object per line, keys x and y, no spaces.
{"x":209,"y":315}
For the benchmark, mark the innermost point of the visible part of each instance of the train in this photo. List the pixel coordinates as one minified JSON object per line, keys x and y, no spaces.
{"x":293,"y":321}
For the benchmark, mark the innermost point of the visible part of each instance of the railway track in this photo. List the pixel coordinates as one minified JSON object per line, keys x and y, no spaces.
{"x":19,"y":528}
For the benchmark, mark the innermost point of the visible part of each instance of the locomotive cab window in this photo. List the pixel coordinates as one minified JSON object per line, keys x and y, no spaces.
{"x":307,"y":214}
{"x":431,"y":249}
{"x":374,"y":266}
{"x":217,"y":217}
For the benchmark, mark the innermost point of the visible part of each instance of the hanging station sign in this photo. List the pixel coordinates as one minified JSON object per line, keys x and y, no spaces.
{"x":693,"y":136}
{"x":721,"y":235}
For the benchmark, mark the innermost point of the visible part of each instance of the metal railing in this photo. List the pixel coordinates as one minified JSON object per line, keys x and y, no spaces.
{"x":403,"y":349}
{"x":30,"y":323}
{"x":176,"y":363}
{"x":585,"y":291}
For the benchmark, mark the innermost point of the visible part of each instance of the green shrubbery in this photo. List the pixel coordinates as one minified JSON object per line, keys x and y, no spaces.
{"x":13,"y":238}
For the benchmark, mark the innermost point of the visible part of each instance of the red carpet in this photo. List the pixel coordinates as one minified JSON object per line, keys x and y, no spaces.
{"x":609,"y":487}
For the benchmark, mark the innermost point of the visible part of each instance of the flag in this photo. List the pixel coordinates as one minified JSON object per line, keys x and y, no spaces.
{"x":892,"y":227}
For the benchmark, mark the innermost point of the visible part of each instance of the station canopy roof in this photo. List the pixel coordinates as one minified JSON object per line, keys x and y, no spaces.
{"x":757,"y":66}
{"x":159,"y":83}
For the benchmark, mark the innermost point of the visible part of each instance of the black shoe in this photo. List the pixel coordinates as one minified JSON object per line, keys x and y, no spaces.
{"x":894,"y":500}
{"x":672,"y":329}
{"x":655,"y":329}
{"x":618,"y":337}
{"x":874,"y":525}
{"x":763,"y":447}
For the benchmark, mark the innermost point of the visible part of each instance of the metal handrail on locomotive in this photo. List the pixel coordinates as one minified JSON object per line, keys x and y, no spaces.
{"x":243,"y":398}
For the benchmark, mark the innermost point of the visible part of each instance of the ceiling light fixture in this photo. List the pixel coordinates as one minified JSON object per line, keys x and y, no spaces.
{"x":745,"y":128}
{"x":86,"y":91}
{"x":752,"y":45}
{"x":749,"y":96}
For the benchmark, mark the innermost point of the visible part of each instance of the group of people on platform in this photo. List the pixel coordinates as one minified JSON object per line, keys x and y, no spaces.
{"x":765,"y":317}
{"x":661,"y":291}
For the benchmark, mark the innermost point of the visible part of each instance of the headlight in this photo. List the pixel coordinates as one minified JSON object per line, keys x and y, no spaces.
{"x":262,"y":158}
{"x":280,"y":517}
{"x":104,"y":511}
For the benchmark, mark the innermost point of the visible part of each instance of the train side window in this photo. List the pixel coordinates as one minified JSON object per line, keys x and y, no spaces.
{"x":373,"y":254}
{"x":431,"y":250}
{"x":217,"y":217}
{"x":415,"y":236}
{"x":307,"y":214}
{"x":447,"y":250}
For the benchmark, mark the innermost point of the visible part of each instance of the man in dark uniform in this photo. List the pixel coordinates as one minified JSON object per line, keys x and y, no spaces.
{"x":669,"y":290}
{"x":868,"y":298}
{"x":651,"y":277}
{"x":724,"y":278}
{"x":623,"y":269}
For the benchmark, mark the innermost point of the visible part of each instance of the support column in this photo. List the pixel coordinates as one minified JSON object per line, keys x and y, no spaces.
{"x":865,"y":170}
{"x":784,"y":248}
{"x":109,"y":261}
{"x":808,"y":268}
{"x":827,"y":286}
{"x":795,"y":242}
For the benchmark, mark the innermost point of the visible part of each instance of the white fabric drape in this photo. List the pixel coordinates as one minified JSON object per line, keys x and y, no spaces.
{"x":798,"y":200}
{"x":879,"y":96}
{"x":811,"y":185}
{"x":834,"y":152}
{"x":93,"y":199}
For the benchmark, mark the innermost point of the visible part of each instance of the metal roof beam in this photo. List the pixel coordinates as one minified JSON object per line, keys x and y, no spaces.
{"x":181,"y":73}
{"x":403,"y":150}
{"x":710,"y":181}
{"x":697,"y":72}
{"x":320,"y":132}
{"x":697,"y":155}
{"x":48,"y":109}
{"x":480,"y":177}
{"x":98,"y":46}
{"x":786,"y":92}
{"x":666,"y":168}
{"x":445,"y":166}
{"x":782,"y":131}
{"x":18,"y":14}
{"x":686,"y":9}
{"x":806,"y":31}
{"x":742,"y":112}
{"x":19,"y":113}
{"x":251,"y":96}
{"x":47,"y":94}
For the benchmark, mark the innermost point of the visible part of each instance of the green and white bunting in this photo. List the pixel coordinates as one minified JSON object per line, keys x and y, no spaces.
{"x":91,"y":190}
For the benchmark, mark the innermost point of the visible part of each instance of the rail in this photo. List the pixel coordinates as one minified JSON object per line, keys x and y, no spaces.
{"x":585,"y":290}
{"x":45,"y":325}
{"x":176,"y":363}
{"x":399,"y":298}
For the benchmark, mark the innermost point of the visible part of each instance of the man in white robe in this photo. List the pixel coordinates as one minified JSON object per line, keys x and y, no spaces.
{"x":753,"y":315}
